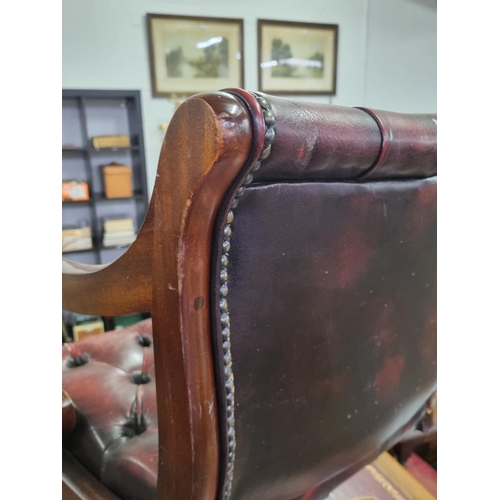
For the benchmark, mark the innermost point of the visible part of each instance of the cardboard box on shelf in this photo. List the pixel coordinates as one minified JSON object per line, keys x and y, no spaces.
{"x":117,"y":181}
{"x":75,"y":190}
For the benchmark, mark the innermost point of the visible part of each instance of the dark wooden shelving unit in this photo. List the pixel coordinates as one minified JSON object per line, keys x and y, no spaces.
{"x":89,"y":113}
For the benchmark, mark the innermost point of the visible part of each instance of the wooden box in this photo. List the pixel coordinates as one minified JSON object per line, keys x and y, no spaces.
{"x":117,"y":181}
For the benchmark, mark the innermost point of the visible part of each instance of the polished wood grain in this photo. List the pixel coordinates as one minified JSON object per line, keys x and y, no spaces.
{"x":122,"y":287}
{"x":167,"y":271}
{"x":206,"y":145}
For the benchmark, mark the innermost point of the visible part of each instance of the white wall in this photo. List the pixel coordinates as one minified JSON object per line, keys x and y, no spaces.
{"x":105,"y":47}
{"x":401,"y":70}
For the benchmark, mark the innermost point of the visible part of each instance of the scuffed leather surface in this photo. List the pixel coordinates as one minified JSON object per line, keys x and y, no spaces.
{"x":333,"y":328}
{"x":111,"y":408}
{"x":320,"y":142}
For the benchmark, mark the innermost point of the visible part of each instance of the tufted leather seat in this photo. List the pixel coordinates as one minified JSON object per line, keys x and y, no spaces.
{"x":111,"y":381}
{"x":117,"y":433}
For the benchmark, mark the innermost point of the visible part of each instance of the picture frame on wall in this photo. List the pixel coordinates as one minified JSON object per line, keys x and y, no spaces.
{"x":189,"y":54}
{"x":297,"y":58}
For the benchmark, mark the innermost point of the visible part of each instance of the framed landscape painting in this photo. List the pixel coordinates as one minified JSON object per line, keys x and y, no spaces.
{"x":297,"y":58}
{"x":188,"y":55}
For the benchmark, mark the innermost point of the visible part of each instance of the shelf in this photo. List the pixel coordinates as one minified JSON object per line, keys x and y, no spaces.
{"x":114,"y":150}
{"x":102,"y":199}
{"x":114,"y":247}
{"x":91,"y":149}
{"x":94,"y":249}
{"x":77,"y":203}
{"x":98,"y":248}
{"x":92,"y":113}
{"x":74,"y":150}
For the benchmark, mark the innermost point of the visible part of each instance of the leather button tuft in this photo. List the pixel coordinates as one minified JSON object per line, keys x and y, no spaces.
{"x":144,"y":340}
{"x":76,"y":361}
{"x":135,"y":425}
{"x":141,"y":378}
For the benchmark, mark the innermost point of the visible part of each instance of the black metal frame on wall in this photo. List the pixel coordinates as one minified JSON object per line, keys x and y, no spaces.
{"x":88,"y":113}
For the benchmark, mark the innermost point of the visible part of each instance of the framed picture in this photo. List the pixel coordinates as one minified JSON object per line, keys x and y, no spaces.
{"x":297,"y":58}
{"x":188,"y":55}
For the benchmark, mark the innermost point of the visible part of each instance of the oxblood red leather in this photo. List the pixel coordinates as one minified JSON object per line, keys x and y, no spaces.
{"x":332,"y":302}
{"x":320,"y":142}
{"x":408,"y":145}
{"x":332,"y":299}
{"x":110,"y":378}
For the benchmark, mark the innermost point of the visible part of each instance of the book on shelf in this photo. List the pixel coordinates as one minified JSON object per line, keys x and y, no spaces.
{"x":125,"y":239}
{"x":119,"y":235}
{"x":111,"y":141}
{"x":118,"y":231}
{"x":76,"y":238}
{"x":119,"y":225}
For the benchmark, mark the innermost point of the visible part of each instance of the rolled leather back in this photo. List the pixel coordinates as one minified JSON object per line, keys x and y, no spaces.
{"x":324,"y":295}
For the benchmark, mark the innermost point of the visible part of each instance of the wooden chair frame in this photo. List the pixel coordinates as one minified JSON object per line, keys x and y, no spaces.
{"x":166,"y":271}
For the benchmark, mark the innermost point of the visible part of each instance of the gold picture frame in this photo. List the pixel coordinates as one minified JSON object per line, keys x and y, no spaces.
{"x":189,"y":54}
{"x":297,"y":58}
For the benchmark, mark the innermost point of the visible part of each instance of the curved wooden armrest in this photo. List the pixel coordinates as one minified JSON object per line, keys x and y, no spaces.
{"x":122,"y":287}
{"x":166,"y":271}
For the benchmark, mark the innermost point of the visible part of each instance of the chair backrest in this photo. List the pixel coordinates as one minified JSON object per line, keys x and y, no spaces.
{"x":288,"y":259}
{"x":324,"y":294}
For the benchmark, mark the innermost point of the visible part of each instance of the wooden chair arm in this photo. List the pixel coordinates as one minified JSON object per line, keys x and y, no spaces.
{"x":207,"y":144}
{"x":166,"y":271}
{"x":122,"y":287}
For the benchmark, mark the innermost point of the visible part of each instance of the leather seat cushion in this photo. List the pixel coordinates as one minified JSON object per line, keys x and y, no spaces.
{"x":110,"y":378}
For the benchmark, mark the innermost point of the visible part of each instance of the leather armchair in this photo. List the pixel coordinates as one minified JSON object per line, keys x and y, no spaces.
{"x":288,"y":259}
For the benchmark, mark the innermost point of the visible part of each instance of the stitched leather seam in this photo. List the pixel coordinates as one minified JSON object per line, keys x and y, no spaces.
{"x":384,"y":144}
